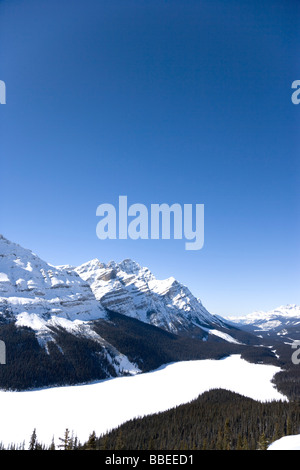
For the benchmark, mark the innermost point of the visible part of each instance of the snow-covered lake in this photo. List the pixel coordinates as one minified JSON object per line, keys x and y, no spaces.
{"x":104,"y":405}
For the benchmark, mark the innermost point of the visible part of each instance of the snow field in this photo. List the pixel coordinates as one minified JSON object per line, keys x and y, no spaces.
{"x":104,"y":405}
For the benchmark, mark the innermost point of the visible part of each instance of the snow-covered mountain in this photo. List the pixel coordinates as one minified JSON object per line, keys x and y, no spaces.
{"x":34,"y":292}
{"x":132,"y":290}
{"x":29,"y":284}
{"x":282,"y":320}
{"x":74,"y":324}
{"x":45,"y":298}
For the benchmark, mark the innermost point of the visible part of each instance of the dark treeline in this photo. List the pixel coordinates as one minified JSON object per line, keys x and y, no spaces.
{"x":72,"y":360}
{"x":216,"y":420}
{"x":287,"y":381}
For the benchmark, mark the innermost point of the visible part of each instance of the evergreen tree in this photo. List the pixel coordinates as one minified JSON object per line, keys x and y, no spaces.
{"x":226,"y":438}
{"x":277,"y":435}
{"x":263,"y":442}
{"x":289,"y":427}
{"x":245,"y":444}
{"x":104,"y":443}
{"x":220,"y":440}
{"x":120,"y":444}
{"x":91,"y":443}
{"x":239,"y":445}
{"x":67,"y":441}
{"x":151,"y":445}
{"x":52,"y":445}
{"x":33,"y":441}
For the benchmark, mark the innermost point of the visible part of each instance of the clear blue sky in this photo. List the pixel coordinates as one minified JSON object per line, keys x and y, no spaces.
{"x":163,"y":101}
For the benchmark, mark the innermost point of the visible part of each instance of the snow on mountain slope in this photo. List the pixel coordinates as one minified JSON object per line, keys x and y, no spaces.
{"x":132,"y":290}
{"x":277,"y":319}
{"x":40,"y":296}
{"x":29,"y":284}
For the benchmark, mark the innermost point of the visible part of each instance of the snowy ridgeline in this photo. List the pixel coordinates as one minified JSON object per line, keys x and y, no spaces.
{"x":105,"y":405}
{"x":274,"y":319}
{"x":29,"y":284}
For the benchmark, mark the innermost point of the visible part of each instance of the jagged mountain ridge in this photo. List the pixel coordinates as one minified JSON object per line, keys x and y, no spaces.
{"x":132,"y":290}
{"x":33,"y":291}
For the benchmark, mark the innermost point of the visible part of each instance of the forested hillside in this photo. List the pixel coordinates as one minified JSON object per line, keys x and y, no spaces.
{"x":217,"y":420}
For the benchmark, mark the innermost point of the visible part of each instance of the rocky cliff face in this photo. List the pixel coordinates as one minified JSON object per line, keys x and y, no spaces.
{"x":132,"y":290}
{"x":29,"y":285}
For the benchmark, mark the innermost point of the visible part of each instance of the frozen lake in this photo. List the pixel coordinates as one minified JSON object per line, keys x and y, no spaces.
{"x":286,"y":443}
{"x":104,"y":405}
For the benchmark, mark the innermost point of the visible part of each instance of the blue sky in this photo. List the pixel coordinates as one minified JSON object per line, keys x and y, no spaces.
{"x":163,"y":101}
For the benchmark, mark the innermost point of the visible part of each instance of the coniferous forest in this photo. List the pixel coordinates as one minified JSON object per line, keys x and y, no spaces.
{"x":217,"y":420}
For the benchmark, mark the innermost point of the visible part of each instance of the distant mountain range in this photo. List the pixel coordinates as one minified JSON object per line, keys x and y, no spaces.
{"x":284,"y":321}
{"x":69,"y":325}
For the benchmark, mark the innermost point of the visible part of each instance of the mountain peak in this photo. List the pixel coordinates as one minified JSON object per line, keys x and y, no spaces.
{"x":132,"y":290}
{"x":129,"y":264}
{"x":94,"y":263}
